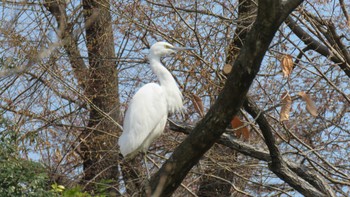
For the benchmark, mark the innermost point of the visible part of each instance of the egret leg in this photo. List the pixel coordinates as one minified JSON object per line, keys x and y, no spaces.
{"x":145,"y":161}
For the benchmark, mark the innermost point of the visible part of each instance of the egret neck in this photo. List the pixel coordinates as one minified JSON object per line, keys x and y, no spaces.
{"x":167,"y":82}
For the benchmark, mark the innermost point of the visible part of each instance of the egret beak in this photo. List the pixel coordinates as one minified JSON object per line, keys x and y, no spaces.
{"x":182,"y":48}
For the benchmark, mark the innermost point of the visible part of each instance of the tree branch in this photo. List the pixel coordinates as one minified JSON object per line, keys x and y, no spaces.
{"x":229,"y":141}
{"x":338,"y":41}
{"x":226,"y":140}
{"x":69,"y":41}
{"x":277,"y":164}
{"x":315,"y":45}
{"x":345,"y":12}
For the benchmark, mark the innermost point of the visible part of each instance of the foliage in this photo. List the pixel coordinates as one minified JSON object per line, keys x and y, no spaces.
{"x":77,"y":191}
{"x":18,"y":176}
{"x":70,"y":192}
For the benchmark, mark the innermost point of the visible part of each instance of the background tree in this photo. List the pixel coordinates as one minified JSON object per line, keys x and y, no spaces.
{"x":98,"y":81}
{"x":64,"y":62}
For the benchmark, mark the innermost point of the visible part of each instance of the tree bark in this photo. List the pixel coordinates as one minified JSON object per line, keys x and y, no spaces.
{"x":98,"y":148}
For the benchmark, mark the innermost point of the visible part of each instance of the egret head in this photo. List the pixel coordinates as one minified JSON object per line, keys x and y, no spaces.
{"x":163,"y":48}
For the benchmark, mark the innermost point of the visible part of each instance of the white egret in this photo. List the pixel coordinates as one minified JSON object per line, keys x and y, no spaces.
{"x":148,"y":110}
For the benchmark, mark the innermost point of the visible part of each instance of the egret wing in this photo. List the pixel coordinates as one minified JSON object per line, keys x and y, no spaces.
{"x":146,"y":111}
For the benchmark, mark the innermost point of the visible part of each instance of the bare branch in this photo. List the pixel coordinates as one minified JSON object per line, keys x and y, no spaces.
{"x":315,"y":45}
{"x":345,"y":12}
{"x":68,"y":39}
{"x":278,"y":165}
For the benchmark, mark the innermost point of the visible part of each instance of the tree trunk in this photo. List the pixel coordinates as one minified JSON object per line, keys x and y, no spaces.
{"x":211,"y":186}
{"x":99,"y":150}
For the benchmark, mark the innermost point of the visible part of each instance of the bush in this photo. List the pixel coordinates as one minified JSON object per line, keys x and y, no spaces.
{"x":19,"y":177}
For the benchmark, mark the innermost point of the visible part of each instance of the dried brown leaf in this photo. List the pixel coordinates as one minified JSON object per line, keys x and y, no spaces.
{"x":286,"y":106}
{"x":242,"y":131}
{"x":287,"y":65}
{"x":58,"y":154}
{"x":310,"y":104}
{"x":198,"y":105}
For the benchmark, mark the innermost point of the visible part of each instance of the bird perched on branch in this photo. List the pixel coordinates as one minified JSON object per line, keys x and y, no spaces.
{"x":148,"y":110}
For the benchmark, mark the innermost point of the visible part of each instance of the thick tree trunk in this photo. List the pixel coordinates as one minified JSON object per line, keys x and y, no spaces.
{"x":100,"y":82}
{"x":211,"y":186}
{"x":99,"y":150}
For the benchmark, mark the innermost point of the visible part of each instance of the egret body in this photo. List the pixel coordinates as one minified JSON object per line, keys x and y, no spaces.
{"x":148,"y":110}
